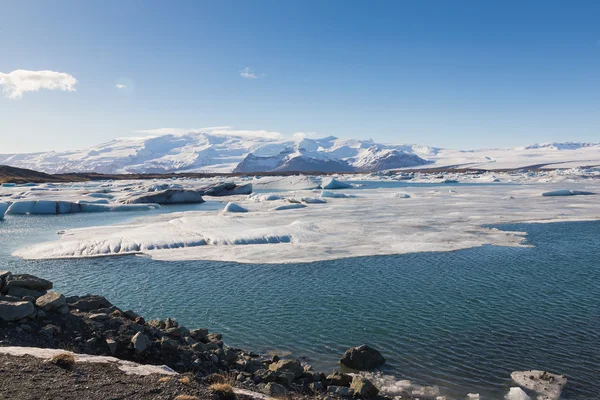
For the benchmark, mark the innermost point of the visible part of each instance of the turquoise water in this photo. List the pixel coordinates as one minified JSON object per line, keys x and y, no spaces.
{"x":462,"y":320}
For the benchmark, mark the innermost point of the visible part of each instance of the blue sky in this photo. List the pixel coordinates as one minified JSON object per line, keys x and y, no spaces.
{"x":463,"y":74}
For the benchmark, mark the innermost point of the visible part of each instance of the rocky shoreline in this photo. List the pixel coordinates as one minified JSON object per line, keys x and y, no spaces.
{"x":33,"y":316}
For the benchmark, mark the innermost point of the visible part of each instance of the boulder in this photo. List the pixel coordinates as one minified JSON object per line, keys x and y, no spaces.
{"x":171,"y":323}
{"x":275,"y":390}
{"x":99,"y":317}
{"x":3,"y":274}
{"x":168,"y":344}
{"x":16,"y":310}
{"x":88,"y":303}
{"x":363,"y":387}
{"x":140,"y":342}
{"x":288,"y":366}
{"x":113,"y":345}
{"x":362,"y":358}
{"x":340,"y":391}
{"x":339,"y":379}
{"x":27,"y":281}
{"x":22,"y":292}
{"x":51,"y":301}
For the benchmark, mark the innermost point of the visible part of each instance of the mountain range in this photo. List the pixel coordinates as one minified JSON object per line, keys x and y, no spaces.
{"x":208,"y":152}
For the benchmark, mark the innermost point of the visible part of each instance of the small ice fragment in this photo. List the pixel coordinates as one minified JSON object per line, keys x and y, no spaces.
{"x":232,"y":207}
{"x":516,"y":393}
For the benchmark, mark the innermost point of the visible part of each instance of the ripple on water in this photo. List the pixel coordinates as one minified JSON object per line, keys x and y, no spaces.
{"x":461,"y":320}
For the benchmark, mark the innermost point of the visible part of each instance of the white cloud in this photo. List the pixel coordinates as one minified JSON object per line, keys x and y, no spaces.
{"x":248,"y":74}
{"x":120,"y":86}
{"x":20,"y":81}
{"x":215,"y":130}
{"x":303,"y":135}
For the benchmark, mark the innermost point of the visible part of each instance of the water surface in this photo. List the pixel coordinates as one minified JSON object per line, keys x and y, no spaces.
{"x":462,"y":320}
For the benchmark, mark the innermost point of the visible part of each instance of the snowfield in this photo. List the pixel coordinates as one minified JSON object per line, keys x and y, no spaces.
{"x":230,"y":152}
{"x":291,"y":226}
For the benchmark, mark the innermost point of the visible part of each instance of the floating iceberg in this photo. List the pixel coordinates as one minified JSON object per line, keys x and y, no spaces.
{"x":3,"y":208}
{"x":231,"y":207}
{"x":325,"y":193}
{"x":567,"y":192}
{"x":290,"y":206}
{"x":49,"y":207}
{"x":295,"y":182}
{"x":312,"y":200}
{"x":333,"y":183}
{"x":169,"y":196}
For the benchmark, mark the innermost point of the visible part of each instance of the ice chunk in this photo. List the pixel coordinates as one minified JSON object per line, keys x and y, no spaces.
{"x":401,"y":195}
{"x":169,"y":196}
{"x":326,"y":193}
{"x":97,"y":201}
{"x":296,"y":182}
{"x":234,"y":208}
{"x":117,"y":207}
{"x":290,"y":206}
{"x":542,"y":382}
{"x":6,"y":184}
{"x":473,"y":396}
{"x":333,"y":183}
{"x":566,"y":192}
{"x":101,"y":195}
{"x":516,"y":393}
{"x":312,"y":200}
{"x":3,"y":208}
{"x":21,"y":207}
{"x":265,"y":197}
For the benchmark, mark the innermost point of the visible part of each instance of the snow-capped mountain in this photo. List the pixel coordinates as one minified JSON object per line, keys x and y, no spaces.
{"x":332,"y":155}
{"x":205,"y":152}
{"x":229,"y":151}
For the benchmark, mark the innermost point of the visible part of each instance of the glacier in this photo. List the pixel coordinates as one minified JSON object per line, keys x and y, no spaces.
{"x":228,"y":152}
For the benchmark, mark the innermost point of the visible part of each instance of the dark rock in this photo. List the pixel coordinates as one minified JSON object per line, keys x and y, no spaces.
{"x":171,"y":323}
{"x":112,"y":346}
{"x":169,"y":344}
{"x":89,"y":303}
{"x":362,"y":358}
{"x":363,"y":387}
{"x":132,"y":315}
{"x":16,"y":310}
{"x":339,"y":379}
{"x":340,"y":391}
{"x":288,"y":365}
{"x":275,"y":390}
{"x":51,"y":301}
{"x":99,"y":317}
{"x":157,"y":323}
{"x":26,"y":281}
{"x":17,"y":291}
{"x":140,"y":321}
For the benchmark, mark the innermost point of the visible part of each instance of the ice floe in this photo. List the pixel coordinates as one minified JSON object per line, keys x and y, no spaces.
{"x":567,"y":192}
{"x":279,"y":228}
{"x":547,"y":385}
